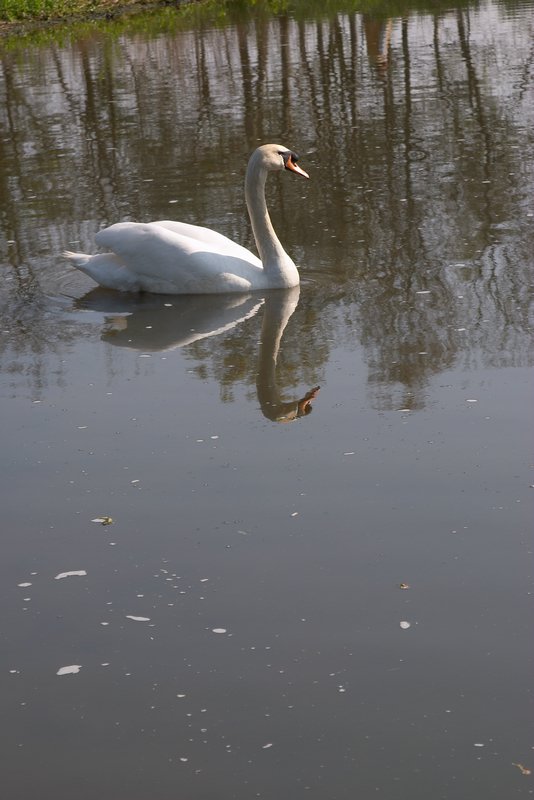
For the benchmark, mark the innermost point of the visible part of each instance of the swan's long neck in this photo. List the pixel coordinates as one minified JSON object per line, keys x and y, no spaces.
{"x":279,"y":268}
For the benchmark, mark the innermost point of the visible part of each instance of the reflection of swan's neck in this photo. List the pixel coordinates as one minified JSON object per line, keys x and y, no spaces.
{"x":278,"y":309}
{"x":276,"y":263}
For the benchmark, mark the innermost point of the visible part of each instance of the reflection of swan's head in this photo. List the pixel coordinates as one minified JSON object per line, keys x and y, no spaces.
{"x":275,"y":158}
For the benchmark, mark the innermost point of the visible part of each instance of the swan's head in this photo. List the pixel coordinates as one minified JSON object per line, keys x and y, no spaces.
{"x":276,"y":157}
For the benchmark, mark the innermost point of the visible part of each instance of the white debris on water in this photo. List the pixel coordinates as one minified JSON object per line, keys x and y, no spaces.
{"x":137,"y":619}
{"x":70,"y":574}
{"x":72,"y":669}
{"x":405,"y":625}
{"x":218,"y":630}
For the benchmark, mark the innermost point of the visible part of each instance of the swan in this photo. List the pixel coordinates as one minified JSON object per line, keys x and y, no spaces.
{"x":169,"y":257}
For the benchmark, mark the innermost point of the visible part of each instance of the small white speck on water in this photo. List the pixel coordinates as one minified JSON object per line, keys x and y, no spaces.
{"x":81,"y":427}
{"x":471,"y":400}
{"x":23,"y":585}
{"x":423,"y":291}
{"x":349,"y":453}
{"x":180,"y":695}
{"x":266,"y":746}
{"x":136,"y":480}
{"x":137,"y":619}
{"x":183,"y":760}
{"x":295,"y":514}
{"x":71,"y":574}
{"x":104,"y":623}
{"x":214,"y":437}
{"x":145,"y":355}
{"x":72,"y":669}
{"x":478,"y":744}
{"x":218,"y":630}
{"x":405,"y":625}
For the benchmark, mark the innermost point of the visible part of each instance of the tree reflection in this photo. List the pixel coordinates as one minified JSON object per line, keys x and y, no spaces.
{"x":413,"y":129}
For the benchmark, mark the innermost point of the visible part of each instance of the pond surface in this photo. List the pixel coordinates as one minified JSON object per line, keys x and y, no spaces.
{"x":339,"y":607}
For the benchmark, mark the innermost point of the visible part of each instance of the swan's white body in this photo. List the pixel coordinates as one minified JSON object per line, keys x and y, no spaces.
{"x":177,"y":258}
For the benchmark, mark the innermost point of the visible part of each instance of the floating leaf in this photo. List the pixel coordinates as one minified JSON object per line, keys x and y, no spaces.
{"x":404,"y":585}
{"x":103,"y":520}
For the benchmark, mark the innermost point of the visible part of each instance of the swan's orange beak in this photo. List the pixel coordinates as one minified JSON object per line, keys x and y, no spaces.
{"x":290,"y":164}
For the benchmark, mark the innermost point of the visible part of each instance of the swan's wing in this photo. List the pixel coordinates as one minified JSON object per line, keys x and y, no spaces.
{"x":167,"y":262}
{"x":206,"y":236}
{"x":159,"y":241}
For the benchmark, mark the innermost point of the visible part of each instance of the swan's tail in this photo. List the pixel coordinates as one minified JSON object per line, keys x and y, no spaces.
{"x":76,"y":259}
{"x":107,"y":269}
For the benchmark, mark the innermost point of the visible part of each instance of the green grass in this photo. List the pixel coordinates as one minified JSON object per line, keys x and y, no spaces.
{"x":38,"y":10}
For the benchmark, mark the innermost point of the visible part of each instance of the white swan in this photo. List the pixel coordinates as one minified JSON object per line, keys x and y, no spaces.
{"x":177,"y":258}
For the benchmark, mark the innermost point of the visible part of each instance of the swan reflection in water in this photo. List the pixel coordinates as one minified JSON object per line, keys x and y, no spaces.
{"x":153,"y":323}
{"x":279,"y":306}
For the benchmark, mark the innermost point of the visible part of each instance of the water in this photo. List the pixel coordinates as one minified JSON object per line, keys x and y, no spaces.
{"x":236,"y":629}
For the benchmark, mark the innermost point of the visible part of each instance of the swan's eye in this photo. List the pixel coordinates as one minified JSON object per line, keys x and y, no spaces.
{"x":288,"y":154}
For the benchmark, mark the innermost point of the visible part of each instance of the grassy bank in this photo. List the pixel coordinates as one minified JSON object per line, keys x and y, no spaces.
{"x":16,"y":11}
